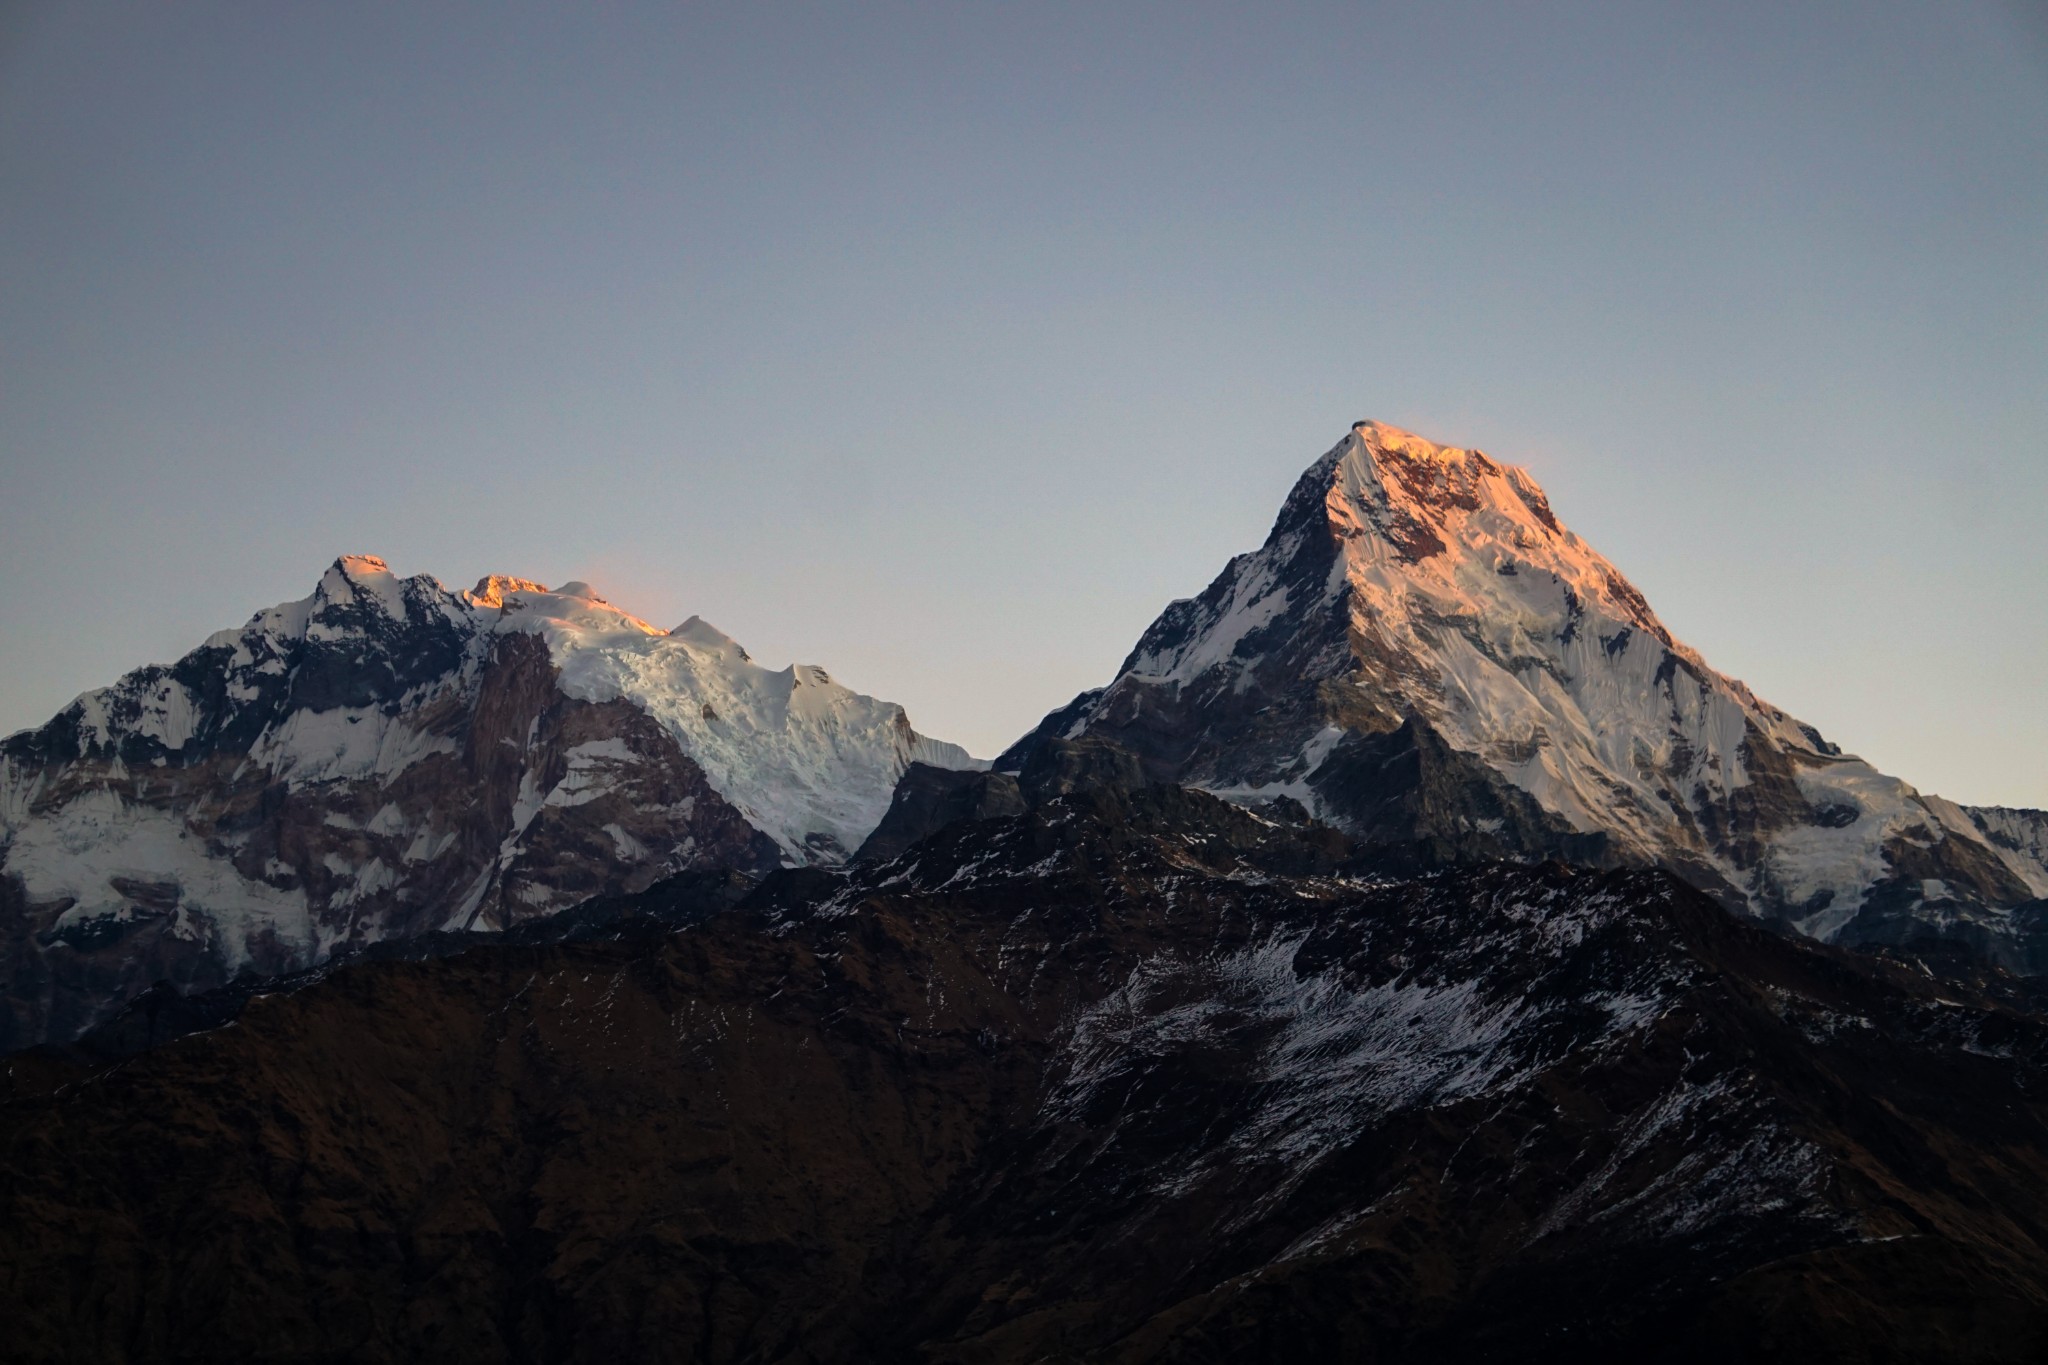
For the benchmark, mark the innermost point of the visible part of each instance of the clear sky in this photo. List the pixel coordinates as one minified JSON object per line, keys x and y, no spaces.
{"x":943,"y":344}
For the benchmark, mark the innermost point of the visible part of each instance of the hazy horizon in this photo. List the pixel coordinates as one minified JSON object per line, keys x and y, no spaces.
{"x":943,"y":346}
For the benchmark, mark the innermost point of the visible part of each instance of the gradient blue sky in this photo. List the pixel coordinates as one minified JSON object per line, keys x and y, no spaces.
{"x":943,"y":344}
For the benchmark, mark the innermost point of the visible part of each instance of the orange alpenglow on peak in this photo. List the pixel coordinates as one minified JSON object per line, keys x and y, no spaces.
{"x":490,"y":590}
{"x":1393,"y":440}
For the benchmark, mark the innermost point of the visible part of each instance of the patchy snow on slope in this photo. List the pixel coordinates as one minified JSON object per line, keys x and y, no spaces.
{"x":1257,"y":599}
{"x":1326,"y":1055}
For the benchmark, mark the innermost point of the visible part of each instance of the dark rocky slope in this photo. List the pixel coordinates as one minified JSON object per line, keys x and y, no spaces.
{"x":1131,"y":1076}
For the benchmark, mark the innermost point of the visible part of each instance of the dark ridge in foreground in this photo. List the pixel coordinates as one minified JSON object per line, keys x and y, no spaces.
{"x":1130,"y":1076}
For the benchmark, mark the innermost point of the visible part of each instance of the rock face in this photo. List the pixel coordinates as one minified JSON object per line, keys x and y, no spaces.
{"x":1133,"y":1076}
{"x":928,"y":799}
{"x":1422,"y":654}
{"x":387,"y":757}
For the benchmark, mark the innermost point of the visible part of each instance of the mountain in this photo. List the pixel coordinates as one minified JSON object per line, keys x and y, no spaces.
{"x":486,"y":975}
{"x":388,"y":757}
{"x":1127,"y":1075}
{"x":1423,"y":655}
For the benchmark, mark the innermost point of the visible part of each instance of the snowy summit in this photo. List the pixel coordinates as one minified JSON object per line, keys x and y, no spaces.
{"x":1422,"y":652}
{"x":387,"y":756}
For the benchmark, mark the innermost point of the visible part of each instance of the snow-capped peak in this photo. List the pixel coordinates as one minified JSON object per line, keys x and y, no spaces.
{"x":386,"y":755}
{"x":1409,"y":585}
{"x":705,"y":636}
{"x":362,"y":579}
{"x":581,"y":611}
{"x":361,"y":566}
{"x":810,"y":762}
{"x":1458,"y":518}
{"x":491,"y":589}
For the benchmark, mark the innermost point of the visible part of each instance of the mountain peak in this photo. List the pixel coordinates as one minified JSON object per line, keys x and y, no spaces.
{"x":1384,"y":436}
{"x":361,"y":566}
{"x":354,"y":583}
{"x":490,"y":590}
{"x":1479,"y":530}
{"x":1423,"y":652}
{"x":704,"y":635}
{"x":387,"y":757}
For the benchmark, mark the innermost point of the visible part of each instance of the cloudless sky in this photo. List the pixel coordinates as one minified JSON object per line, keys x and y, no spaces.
{"x":943,"y":344}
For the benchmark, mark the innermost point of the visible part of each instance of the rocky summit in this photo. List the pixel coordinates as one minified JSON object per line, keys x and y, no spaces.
{"x":1413,"y":954}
